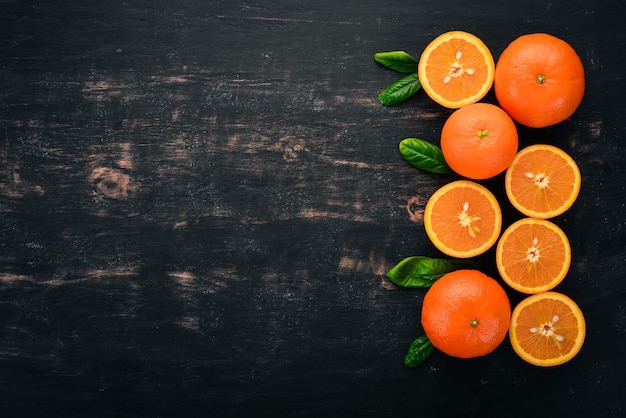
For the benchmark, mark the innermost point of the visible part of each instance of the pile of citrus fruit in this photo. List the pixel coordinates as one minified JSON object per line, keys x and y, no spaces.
{"x":538,"y":81}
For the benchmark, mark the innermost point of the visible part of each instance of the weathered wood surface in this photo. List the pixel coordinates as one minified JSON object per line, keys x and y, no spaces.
{"x":199,"y":201}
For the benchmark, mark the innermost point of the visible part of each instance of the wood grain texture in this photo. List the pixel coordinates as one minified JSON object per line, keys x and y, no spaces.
{"x":199,"y":201}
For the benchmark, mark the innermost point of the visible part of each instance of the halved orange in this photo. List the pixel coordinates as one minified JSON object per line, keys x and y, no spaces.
{"x":547,"y":329}
{"x":463,"y":219}
{"x":543,"y":181}
{"x":456,"y":69}
{"x":533,"y":255}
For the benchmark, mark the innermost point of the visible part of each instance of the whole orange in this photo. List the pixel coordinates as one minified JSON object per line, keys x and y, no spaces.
{"x":479,"y":141}
{"x":466,"y":314}
{"x":539,"y":80}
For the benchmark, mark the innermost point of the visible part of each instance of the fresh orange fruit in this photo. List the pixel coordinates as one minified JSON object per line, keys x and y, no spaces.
{"x":533,"y":255}
{"x":543,"y":181}
{"x":479,"y":141}
{"x":466,"y":314}
{"x":539,"y":80}
{"x":547,"y":329}
{"x":456,"y":69}
{"x":463,"y":219}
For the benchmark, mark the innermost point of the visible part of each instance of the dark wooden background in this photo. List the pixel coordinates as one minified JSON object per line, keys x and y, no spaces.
{"x":199,"y":201}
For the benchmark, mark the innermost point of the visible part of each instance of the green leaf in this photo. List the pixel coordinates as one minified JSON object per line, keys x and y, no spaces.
{"x":420,"y":272}
{"x":397,"y":60}
{"x":424,"y":155}
{"x":419,"y":350}
{"x":400,"y":90}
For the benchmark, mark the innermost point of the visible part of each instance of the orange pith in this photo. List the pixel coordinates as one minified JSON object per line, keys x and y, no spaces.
{"x":456,"y":69}
{"x":463,"y":219}
{"x":542,"y":181}
{"x":533,"y":255}
{"x":547,"y":329}
{"x":466,"y":314}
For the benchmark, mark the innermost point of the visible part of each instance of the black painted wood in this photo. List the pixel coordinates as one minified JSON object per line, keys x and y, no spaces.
{"x":199,"y":201}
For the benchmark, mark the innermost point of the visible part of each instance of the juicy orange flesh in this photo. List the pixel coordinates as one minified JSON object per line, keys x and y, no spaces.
{"x":544,"y":166}
{"x":540,"y":335}
{"x":520,"y":249}
{"x":443,"y":62}
{"x":448,"y":210}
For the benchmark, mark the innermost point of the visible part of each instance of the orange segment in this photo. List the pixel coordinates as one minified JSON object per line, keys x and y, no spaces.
{"x":547,"y":329}
{"x":533,"y":255}
{"x":542,"y":181}
{"x":456,"y":69}
{"x":463,"y":219}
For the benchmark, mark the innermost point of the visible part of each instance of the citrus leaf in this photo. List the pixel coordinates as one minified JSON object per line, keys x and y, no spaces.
{"x":420,"y":272}
{"x":419,"y":350}
{"x":424,"y":155}
{"x":400,"y":90}
{"x":397,"y":60}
